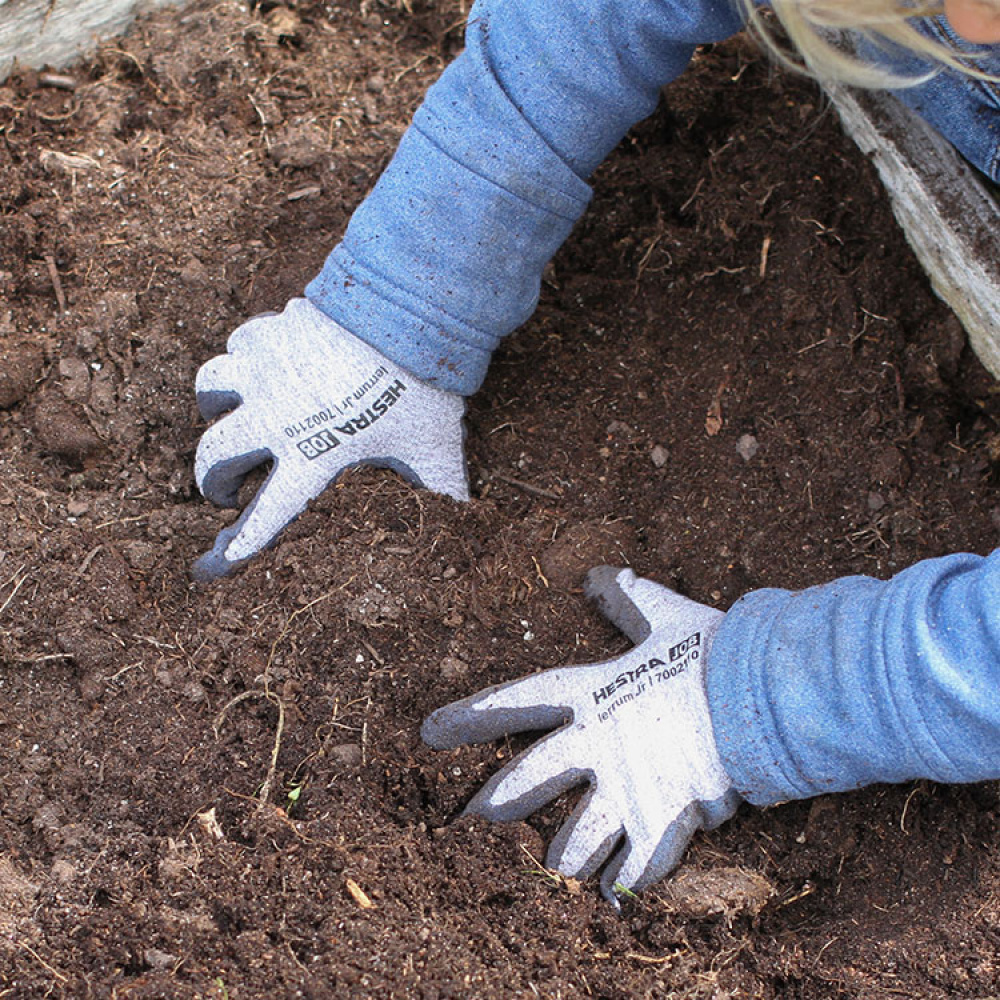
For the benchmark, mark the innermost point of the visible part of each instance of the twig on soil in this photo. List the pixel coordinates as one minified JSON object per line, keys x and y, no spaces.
{"x":59,"y":81}
{"x":557,"y":879}
{"x":809,"y":347}
{"x":821,"y":229}
{"x":87,"y":560}
{"x":719,"y":270}
{"x":807,"y":890}
{"x":819,"y":954}
{"x":527,"y":487}
{"x":38,"y":958}
{"x":161,"y":96}
{"x":374,"y":652}
{"x":50,"y":263}
{"x":713,"y":419}
{"x":288,"y":625}
{"x":124,"y":670}
{"x":359,"y":895}
{"x":409,"y":69}
{"x":13,"y":576}
{"x":765,"y":248}
{"x":121,"y":520}
{"x":900,"y":392}
{"x":295,"y":958}
{"x":268,"y":782}
{"x":694,"y":194}
{"x":286,"y":820}
{"x":906,"y":805}
{"x":53,"y":119}
{"x":648,"y":253}
{"x":652,"y":959}
{"x":866,"y":538}
{"x":17,"y":587}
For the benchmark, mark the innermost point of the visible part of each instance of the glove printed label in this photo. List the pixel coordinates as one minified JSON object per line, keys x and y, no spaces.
{"x":326,"y":440}
{"x":634,"y":683}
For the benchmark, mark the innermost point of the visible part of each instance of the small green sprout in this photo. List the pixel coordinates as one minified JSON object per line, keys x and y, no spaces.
{"x":622,"y":890}
{"x":293,"y":796}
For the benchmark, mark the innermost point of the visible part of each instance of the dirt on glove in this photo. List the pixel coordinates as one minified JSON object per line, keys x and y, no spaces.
{"x":737,"y":377}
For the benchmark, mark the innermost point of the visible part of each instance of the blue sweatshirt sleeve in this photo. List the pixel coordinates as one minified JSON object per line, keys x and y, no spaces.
{"x":861,"y":681}
{"x":445,"y":255}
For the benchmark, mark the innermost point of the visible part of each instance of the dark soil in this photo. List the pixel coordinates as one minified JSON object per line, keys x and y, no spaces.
{"x":739,"y":283}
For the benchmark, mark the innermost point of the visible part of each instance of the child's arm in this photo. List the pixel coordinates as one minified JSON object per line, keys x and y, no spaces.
{"x":445,"y":256}
{"x":860,"y":681}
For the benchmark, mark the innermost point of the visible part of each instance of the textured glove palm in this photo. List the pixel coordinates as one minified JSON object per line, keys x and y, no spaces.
{"x":636,"y":728}
{"x":314,"y":399}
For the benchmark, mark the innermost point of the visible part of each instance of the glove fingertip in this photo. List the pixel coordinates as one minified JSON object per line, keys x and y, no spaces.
{"x":611,"y":888}
{"x":602,"y":580}
{"x":221,"y":489}
{"x":611,"y":894}
{"x":214,"y":565}
{"x":613,"y":590}
{"x":438,"y":732}
{"x":481,"y":804}
{"x":214,"y":402}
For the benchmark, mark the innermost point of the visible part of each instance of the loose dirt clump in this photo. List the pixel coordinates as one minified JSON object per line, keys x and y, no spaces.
{"x":737,"y":377}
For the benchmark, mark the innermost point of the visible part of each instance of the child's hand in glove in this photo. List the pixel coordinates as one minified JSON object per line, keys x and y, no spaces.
{"x":314,"y":399}
{"x":636,"y":729}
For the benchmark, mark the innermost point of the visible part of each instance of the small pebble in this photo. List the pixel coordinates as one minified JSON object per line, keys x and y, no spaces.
{"x":63,"y":872}
{"x":157,"y":959}
{"x":193,"y":691}
{"x":875,"y":501}
{"x":452,"y":668}
{"x":346,"y":754}
{"x":747,"y":447}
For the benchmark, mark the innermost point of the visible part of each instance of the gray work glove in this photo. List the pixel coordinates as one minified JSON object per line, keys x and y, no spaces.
{"x":313,"y":399}
{"x":636,"y":729}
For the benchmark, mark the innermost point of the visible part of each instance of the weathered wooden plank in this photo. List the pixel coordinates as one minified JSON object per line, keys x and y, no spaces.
{"x":54,"y":32}
{"x":950,"y":219}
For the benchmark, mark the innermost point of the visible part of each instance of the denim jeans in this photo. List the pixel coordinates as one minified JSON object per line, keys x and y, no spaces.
{"x":963,"y":109}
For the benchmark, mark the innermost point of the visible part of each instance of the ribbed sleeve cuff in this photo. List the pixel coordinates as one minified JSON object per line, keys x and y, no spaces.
{"x":746,"y":732}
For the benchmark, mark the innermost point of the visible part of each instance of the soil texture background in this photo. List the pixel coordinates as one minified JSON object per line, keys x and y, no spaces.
{"x":737,"y":377}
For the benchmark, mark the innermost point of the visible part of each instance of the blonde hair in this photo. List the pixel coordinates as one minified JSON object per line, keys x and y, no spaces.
{"x":819,"y":39}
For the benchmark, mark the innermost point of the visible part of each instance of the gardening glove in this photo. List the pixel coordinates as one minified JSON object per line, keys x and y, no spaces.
{"x":313,"y":399}
{"x":636,"y":729}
